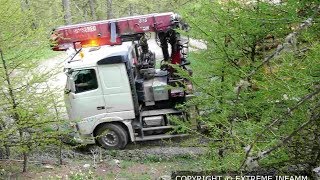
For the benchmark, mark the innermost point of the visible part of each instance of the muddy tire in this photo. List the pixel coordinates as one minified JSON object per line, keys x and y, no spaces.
{"x":112,"y":136}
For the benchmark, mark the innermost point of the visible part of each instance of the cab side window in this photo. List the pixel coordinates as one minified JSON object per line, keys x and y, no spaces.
{"x":85,"y":80}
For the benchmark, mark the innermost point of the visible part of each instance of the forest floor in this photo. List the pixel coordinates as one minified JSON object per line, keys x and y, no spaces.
{"x":144,"y":160}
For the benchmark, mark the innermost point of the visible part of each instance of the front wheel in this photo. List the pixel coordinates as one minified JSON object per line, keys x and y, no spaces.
{"x":112,"y":136}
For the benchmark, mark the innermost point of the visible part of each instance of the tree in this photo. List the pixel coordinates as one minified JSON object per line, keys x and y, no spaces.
{"x":92,"y":9}
{"x":109,"y":9}
{"x":67,"y":11}
{"x":26,"y":106}
{"x":258,"y":74}
{"x":27,"y":119}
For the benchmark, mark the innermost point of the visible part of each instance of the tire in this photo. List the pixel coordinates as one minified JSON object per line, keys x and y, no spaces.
{"x":112,"y":136}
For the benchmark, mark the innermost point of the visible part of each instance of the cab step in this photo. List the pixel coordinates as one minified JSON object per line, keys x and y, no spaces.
{"x":157,"y":128}
{"x":159,"y":112}
{"x":161,"y":136}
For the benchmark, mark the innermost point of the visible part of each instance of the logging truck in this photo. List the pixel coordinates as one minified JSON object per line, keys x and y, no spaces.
{"x":114,"y":92}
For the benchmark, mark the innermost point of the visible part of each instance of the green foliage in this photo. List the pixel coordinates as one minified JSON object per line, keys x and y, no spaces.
{"x":81,"y":12}
{"x":82,"y":175}
{"x":78,"y":175}
{"x":25,"y":29}
{"x":239,"y":36}
{"x":29,"y":109}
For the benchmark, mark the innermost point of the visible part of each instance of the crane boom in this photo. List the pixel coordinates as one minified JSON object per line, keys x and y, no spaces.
{"x":113,"y":31}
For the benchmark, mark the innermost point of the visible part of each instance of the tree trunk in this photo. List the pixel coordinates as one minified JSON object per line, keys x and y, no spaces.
{"x":2,"y":156}
{"x":109,"y":9}
{"x":85,"y":14}
{"x":92,"y":9}
{"x":14,"y":105}
{"x":7,"y":148}
{"x":58,"y":129}
{"x":24,"y":5}
{"x":25,"y":162}
{"x":130,"y":9}
{"x":67,"y":12}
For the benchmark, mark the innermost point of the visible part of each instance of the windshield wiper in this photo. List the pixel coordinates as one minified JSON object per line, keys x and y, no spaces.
{"x":77,"y":52}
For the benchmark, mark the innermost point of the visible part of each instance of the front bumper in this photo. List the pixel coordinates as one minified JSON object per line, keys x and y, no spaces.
{"x":75,"y":137}
{"x":84,"y":139}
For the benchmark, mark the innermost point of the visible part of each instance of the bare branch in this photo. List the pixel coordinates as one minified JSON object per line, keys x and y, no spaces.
{"x":288,"y":113}
{"x":313,"y":118}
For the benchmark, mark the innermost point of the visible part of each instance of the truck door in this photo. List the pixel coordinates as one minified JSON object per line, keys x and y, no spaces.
{"x":86,"y":97}
{"x":116,"y":90}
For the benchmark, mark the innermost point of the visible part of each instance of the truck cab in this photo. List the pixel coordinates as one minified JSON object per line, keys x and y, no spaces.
{"x":99,"y":84}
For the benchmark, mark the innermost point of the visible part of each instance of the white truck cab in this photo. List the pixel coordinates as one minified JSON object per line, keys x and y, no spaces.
{"x":99,"y":83}
{"x":99,"y":90}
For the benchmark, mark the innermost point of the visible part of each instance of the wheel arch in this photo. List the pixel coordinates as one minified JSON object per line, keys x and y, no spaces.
{"x":119,"y":123}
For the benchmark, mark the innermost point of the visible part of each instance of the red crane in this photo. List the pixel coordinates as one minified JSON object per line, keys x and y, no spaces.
{"x":116,"y":31}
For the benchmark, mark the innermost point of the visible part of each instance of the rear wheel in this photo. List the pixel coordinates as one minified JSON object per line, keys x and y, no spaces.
{"x":112,"y":136}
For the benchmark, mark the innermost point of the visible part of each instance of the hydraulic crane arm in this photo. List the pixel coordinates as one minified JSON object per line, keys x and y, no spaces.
{"x":113,"y":31}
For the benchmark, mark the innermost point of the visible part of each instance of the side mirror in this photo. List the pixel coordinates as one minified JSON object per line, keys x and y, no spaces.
{"x":67,"y":91}
{"x":185,"y":63}
{"x":72,"y":85}
{"x":70,"y":71}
